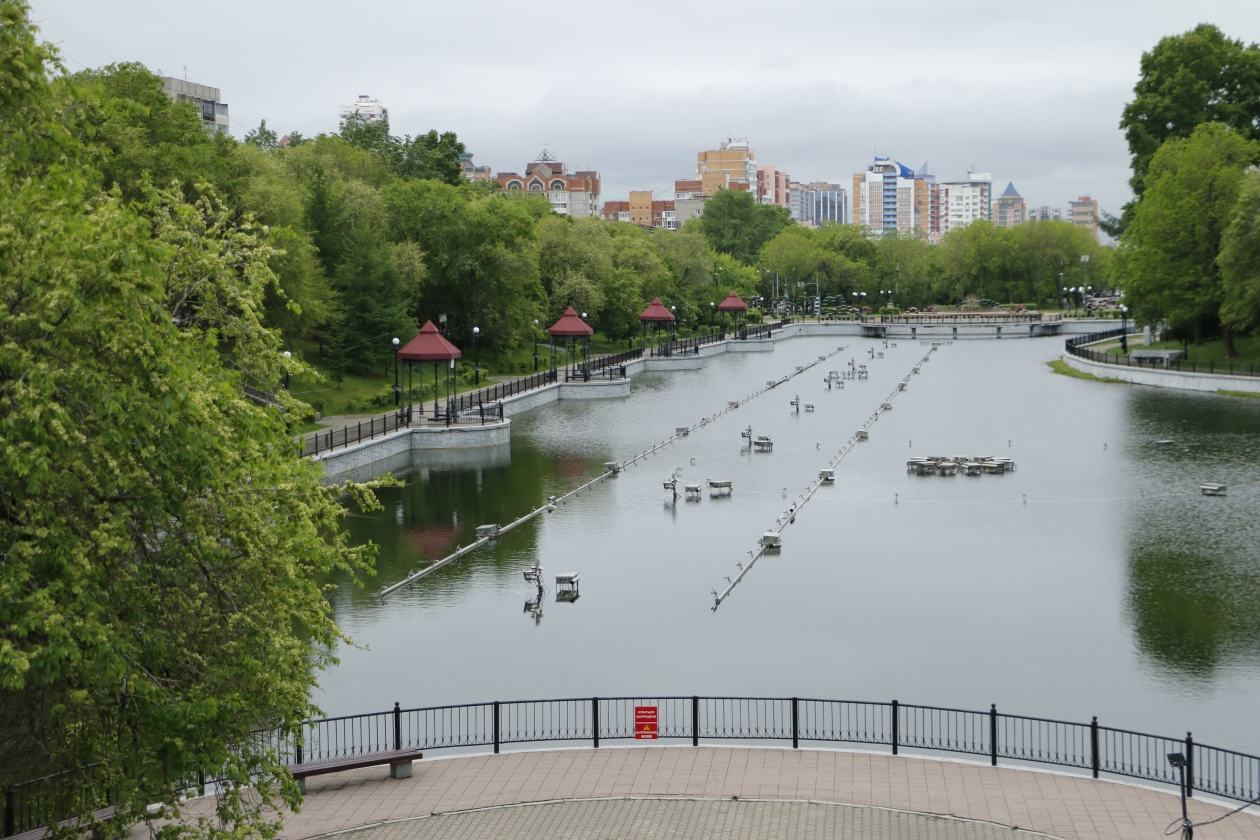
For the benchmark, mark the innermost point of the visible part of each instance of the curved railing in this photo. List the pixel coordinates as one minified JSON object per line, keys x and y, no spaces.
{"x":1087,"y":747}
{"x":994,"y":735}
{"x":1076,"y":346}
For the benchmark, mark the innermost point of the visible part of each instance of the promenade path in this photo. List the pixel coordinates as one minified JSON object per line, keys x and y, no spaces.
{"x":686,"y":792}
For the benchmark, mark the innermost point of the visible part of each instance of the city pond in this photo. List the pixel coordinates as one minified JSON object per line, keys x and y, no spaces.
{"x":1094,"y":579}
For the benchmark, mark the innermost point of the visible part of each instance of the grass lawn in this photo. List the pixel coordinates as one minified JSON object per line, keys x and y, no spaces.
{"x":1060,"y":366}
{"x":1248,"y":347}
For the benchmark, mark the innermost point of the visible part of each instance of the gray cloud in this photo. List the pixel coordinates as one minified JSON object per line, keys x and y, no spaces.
{"x":1029,"y":92}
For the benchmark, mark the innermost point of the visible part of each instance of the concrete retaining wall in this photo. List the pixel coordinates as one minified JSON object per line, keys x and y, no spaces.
{"x":397,"y":453}
{"x":1157,"y":378}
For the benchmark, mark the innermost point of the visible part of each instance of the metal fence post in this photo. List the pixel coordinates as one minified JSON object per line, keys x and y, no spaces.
{"x":695,"y":721}
{"x":1189,"y":765}
{"x":397,"y":726}
{"x":993,"y":734}
{"x":894,"y":726}
{"x":496,"y":727}
{"x":595,"y":721}
{"x":796,"y":730}
{"x":1093,"y":745}
{"x":10,"y":812}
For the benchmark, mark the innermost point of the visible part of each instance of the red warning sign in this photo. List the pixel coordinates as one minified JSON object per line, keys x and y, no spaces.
{"x":645,"y":723}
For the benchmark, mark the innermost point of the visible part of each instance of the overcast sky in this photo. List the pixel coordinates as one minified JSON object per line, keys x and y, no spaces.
{"x":1029,"y":91}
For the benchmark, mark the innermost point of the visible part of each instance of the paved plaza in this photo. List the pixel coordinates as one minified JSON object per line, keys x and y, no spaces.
{"x":787,"y":787}
{"x":684,"y":819}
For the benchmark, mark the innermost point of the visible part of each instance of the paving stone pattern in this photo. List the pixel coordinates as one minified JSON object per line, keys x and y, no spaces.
{"x":1056,"y":804}
{"x":649,"y":819}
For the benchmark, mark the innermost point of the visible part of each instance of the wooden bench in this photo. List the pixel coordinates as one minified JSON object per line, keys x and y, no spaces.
{"x":399,"y":762}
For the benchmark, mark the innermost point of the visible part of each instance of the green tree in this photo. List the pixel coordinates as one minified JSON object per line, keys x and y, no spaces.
{"x":145,"y":137}
{"x":480,"y":255}
{"x":734,"y":223}
{"x":159,"y":595}
{"x":1240,"y":259}
{"x":262,"y":137}
{"x":1168,"y":259}
{"x":428,"y":156}
{"x":1197,"y":77}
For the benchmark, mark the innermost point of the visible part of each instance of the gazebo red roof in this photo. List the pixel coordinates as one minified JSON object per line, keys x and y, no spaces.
{"x":428,"y":346}
{"x":656,"y":312}
{"x":733,"y":303}
{"x":570,"y":325}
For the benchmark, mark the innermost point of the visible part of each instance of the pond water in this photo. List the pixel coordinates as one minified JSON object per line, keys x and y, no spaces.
{"x":1093,"y":580}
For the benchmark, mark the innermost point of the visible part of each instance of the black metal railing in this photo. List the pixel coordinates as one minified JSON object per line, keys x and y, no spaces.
{"x":501,"y":390}
{"x":1086,"y":747}
{"x":49,"y":799}
{"x":898,"y":726}
{"x":1076,"y":347}
{"x":445,"y":414}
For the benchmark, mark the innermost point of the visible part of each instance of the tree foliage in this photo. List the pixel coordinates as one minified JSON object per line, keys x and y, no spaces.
{"x":1168,"y":260}
{"x":427,"y":156}
{"x":1198,"y":77}
{"x":734,"y":223}
{"x":162,"y":543}
{"x":1240,"y":258}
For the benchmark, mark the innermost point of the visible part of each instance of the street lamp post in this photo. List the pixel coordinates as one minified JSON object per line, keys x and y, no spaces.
{"x":535,"y":345}
{"x":287,"y":356}
{"x":1124,"y":329}
{"x":397,"y":389}
{"x":476,"y":356}
{"x":711,"y":311}
{"x":586,"y":353}
{"x":1178,"y":761}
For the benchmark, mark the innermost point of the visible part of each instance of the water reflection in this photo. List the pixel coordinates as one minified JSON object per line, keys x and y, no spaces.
{"x":1193,"y":569}
{"x":444,"y":499}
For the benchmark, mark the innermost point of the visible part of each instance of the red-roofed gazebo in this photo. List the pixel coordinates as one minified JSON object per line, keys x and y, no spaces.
{"x":734,"y":305}
{"x":429,"y":346}
{"x":569,"y":327}
{"x":656,"y":314}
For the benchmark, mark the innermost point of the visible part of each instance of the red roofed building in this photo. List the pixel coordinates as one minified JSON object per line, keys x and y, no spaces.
{"x":573,"y":194}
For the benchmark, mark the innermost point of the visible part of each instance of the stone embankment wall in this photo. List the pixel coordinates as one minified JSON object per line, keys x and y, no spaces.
{"x":418,"y":447}
{"x":1180,"y":380}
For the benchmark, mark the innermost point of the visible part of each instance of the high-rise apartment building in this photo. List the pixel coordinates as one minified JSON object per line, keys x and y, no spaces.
{"x":927,"y":205}
{"x":1045,"y":213}
{"x":570,"y":193}
{"x":963,"y":202}
{"x":884,"y":197}
{"x":472,"y":172}
{"x":1084,"y":212}
{"x":773,"y":186}
{"x":818,"y":202}
{"x":1010,"y":208}
{"x":207,"y":100}
{"x":371,"y":110}
{"x":735,"y":162}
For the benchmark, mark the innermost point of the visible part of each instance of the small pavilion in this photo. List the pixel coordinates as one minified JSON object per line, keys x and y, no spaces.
{"x":656,"y":314}
{"x":429,"y":346}
{"x":736,"y":307}
{"x":569,"y":327}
